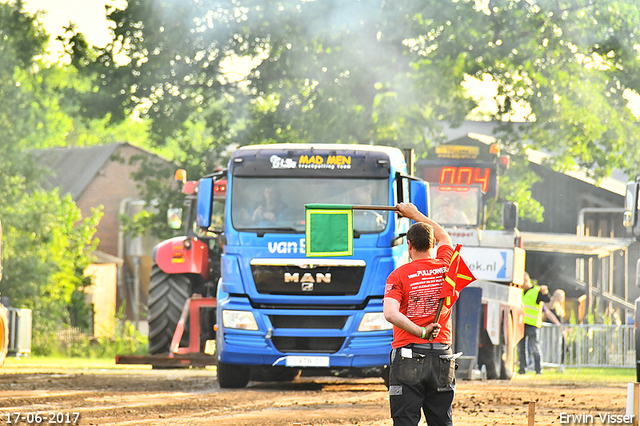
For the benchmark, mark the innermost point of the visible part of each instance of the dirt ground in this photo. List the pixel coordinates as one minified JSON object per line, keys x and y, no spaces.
{"x":137,"y":396}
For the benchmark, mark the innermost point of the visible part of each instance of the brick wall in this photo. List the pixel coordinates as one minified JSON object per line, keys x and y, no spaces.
{"x":109,"y":187}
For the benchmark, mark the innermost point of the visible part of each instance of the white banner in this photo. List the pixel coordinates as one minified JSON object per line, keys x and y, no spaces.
{"x":489,"y":264}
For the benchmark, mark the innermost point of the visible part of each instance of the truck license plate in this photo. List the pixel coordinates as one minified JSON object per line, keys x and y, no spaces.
{"x":307,"y":361}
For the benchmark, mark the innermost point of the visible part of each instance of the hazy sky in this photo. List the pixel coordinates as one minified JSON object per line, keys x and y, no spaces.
{"x":88,"y":15}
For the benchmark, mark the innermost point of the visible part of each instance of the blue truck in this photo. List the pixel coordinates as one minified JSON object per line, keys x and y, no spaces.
{"x":280,"y":313}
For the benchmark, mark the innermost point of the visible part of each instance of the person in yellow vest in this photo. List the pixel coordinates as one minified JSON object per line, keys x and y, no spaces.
{"x":533,"y":298}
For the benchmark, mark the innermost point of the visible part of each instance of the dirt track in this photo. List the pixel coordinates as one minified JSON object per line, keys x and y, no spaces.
{"x":192,"y":397}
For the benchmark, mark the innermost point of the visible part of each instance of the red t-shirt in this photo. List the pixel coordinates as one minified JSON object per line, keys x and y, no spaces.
{"x":416,"y":286}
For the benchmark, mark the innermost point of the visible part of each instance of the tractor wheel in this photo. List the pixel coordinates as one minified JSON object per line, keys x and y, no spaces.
{"x":4,"y":334}
{"x":232,"y":375}
{"x":167,"y":296}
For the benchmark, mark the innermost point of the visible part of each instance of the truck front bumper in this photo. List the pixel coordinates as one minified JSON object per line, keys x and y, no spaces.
{"x":274,"y":344}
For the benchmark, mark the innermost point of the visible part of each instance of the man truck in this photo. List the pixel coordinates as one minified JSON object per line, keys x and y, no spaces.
{"x":280,"y":312}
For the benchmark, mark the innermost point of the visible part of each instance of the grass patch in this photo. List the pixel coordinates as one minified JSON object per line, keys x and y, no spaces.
{"x":583,"y":375}
{"x":625,"y":375}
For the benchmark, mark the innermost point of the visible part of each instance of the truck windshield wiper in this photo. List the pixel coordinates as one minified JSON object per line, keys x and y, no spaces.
{"x":287,"y":229}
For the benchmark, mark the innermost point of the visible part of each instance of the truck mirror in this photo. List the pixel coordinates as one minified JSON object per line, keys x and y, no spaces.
{"x":174,"y":216}
{"x":205,"y":198}
{"x":631,"y":205}
{"x":510,"y":215}
{"x":418,"y":191}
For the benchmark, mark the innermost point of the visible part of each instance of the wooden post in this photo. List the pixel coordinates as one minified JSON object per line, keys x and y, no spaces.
{"x":437,"y":319}
{"x":532,"y":413}
{"x":636,"y":395}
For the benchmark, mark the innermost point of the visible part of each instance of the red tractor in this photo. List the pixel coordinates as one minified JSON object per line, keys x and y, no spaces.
{"x":186,"y":269}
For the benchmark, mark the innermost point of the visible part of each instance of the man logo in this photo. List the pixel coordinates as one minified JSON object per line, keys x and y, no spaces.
{"x":307,"y":281}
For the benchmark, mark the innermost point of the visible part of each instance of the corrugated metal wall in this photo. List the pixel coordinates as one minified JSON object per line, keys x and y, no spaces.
{"x":563,"y":197}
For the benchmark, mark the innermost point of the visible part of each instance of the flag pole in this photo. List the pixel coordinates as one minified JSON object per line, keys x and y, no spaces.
{"x":365,"y":207}
{"x":437,"y":319}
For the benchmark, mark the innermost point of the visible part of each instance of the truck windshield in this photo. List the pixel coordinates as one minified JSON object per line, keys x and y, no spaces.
{"x":456,"y":206}
{"x":260,"y":203}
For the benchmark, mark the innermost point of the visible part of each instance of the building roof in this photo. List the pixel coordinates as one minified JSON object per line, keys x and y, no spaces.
{"x":572,"y":244}
{"x":615,"y":183}
{"x":74,"y":168}
{"x":100,"y":257}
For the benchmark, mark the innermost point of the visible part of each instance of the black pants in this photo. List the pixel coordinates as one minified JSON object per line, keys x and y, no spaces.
{"x":424,"y":382}
{"x":530,"y":338}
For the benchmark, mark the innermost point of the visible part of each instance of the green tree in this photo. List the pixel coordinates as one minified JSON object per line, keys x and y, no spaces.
{"x":379,"y":72}
{"x":46,"y":243}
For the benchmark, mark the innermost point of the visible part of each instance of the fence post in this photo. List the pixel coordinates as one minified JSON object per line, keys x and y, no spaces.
{"x":636,"y":396}
{"x":532,"y":413}
{"x":633,"y":402}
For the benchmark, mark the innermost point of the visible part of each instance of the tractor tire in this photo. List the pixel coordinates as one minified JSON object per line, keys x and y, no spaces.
{"x":167,"y":296}
{"x":232,"y":375}
{"x":4,"y":334}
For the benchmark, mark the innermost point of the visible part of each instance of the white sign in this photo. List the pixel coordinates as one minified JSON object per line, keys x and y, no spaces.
{"x":490,"y":264}
{"x":282,"y":163}
{"x":306,"y":361}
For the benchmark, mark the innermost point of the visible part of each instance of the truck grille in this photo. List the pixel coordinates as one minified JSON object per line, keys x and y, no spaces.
{"x":306,"y":321}
{"x":308,"y":277}
{"x":328,"y":345}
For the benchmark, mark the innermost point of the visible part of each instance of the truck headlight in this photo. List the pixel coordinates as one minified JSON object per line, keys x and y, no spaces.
{"x":239,"y":319}
{"x":374,"y":321}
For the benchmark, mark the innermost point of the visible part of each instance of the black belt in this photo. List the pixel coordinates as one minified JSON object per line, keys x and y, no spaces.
{"x":437,"y":346}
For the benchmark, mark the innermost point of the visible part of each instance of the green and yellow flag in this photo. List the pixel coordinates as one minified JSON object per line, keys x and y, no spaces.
{"x":329,"y":230}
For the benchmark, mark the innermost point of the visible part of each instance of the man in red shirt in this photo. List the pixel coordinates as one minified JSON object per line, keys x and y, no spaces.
{"x":422,"y":374}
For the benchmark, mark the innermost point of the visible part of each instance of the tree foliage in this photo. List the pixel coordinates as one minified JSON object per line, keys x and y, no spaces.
{"x":378,"y":72}
{"x":46,"y":243}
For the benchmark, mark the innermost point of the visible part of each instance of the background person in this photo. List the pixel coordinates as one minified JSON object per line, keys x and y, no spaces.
{"x":533,"y":297}
{"x":448,"y":213}
{"x":553,"y":312}
{"x":421,"y":373}
{"x":556,"y":304}
{"x":367,"y":220}
{"x":268,"y":209}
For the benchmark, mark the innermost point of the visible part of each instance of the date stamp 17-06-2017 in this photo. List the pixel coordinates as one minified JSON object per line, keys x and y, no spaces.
{"x":41,"y":418}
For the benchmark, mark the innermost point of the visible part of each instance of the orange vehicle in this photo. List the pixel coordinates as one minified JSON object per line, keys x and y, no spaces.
{"x":4,"y":318}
